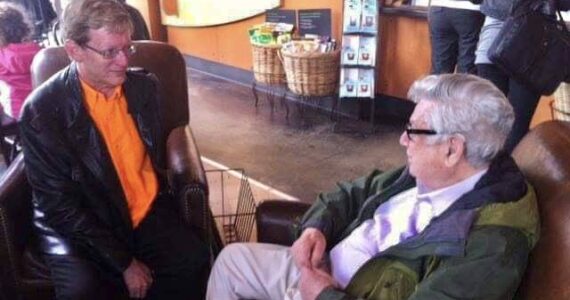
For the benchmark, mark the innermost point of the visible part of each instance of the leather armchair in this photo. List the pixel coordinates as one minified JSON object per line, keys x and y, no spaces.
{"x":544,"y":157}
{"x":23,"y":275}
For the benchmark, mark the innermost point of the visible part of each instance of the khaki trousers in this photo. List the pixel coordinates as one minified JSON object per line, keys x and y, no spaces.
{"x":254,"y":271}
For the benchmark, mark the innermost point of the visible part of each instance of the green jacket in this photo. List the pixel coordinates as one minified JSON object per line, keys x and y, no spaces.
{"x":477,"y":249}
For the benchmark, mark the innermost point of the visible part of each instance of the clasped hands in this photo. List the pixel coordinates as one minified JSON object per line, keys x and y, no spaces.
{"x":138,"y":279}
{"x":308,"y":254}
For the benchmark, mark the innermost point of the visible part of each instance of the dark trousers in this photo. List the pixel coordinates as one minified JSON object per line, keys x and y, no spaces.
{"x":178,"y":259}
{"x":454,"y":34}
{"x":523,"y":100}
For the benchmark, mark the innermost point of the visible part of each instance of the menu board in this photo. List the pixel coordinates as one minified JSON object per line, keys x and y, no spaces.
{"x":288,"y":16}
{"x":315,"y":21}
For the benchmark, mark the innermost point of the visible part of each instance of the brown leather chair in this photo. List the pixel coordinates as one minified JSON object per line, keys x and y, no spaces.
{"x":544,"y":157}
{"x":22,"y":272}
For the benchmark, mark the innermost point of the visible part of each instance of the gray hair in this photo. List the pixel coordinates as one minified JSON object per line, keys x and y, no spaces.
{"x":470,"y":106}
{"x":80,"y":16}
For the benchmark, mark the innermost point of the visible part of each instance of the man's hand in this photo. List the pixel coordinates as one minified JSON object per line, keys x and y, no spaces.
{"x":309,"y":248}
{"x":313,"y":281}
{"x":138,"y":279}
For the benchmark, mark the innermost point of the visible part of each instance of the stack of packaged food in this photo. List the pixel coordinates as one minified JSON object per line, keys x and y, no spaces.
{"x":269,"y":33}
{"x":310,"y":44}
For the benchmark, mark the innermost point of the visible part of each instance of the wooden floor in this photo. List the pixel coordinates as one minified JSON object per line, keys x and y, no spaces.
{"x":543,"y":111}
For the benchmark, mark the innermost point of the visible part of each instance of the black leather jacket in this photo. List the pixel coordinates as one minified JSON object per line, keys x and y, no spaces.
{"x":79,"y":204}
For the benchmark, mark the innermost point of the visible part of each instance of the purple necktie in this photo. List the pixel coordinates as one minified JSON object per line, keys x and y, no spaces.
{"x":419,"y":219}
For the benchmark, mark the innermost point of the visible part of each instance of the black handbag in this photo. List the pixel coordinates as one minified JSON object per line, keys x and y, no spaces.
{"x":534,"y":49}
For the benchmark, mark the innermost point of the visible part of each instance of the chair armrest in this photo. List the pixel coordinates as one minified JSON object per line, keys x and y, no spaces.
{"x":15,"y":222}
{"x":188,"y":181}
{"x":187,"y":176}
{"x":276,"y":219}
{"x":184,"y":161}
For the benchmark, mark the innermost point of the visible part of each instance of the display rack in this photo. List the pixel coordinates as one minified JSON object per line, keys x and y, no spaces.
{"x":232,"y":204}
{"x":359,"y":53}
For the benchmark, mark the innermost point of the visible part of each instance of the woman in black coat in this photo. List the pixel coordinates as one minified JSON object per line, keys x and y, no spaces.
{"x":523,"y":99}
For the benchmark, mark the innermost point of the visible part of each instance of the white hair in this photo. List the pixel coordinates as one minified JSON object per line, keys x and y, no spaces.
{"x":470,"y":106}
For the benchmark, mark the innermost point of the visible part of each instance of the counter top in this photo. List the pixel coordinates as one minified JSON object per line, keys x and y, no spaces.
{"x":406,"y":11}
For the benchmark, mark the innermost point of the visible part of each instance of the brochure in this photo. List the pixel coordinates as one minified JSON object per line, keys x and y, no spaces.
{"x":352,"y":12}
{"x":365,"y":83}
{"x":348,"y":83}
{"x":350,"y":46}
{"x":367,"y":51}
{"x":369,"y":16}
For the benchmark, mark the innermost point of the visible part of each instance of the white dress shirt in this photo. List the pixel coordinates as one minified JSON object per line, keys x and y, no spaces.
{"x":401,"y":217}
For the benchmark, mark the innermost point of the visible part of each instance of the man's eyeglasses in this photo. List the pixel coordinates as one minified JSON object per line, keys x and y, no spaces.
{"x":112,"y":53}
{"x":410,"y":131}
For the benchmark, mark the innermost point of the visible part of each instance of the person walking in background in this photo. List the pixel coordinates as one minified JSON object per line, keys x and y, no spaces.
{"x":454,"y":27}
{"x":16,"y":55}
{"x":522,"y":98}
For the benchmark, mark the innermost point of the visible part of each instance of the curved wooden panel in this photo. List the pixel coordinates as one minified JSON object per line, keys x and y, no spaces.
{"x":198,"y":13}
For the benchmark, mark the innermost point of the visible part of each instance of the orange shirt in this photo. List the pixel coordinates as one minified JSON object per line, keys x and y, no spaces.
{"x":132,"y":163}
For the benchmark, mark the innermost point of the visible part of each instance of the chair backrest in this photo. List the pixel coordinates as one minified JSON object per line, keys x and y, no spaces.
{"x":164,"y":60}
{"x":544,"y":157}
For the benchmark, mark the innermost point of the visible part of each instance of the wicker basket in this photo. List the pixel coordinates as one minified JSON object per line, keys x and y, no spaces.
{"x":312,"y":74}
{"x":561,"y":105}
{"x":267,"y":67}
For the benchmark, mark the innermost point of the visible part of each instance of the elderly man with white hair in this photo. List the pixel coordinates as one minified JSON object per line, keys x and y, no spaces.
{"x":458,"y":222}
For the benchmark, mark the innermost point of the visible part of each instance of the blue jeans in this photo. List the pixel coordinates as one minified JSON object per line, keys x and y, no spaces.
{"x":454,"y":34}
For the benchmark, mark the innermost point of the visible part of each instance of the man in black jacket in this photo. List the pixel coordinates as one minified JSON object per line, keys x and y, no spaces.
{"x":95,"y":157}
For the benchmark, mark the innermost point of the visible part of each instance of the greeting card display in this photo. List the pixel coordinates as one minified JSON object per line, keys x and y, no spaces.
{"x":359,"y":45}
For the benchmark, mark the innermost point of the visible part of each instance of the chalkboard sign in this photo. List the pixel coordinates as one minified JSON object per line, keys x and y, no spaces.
{"x":315,"y":21}
{"x":288,"y":16}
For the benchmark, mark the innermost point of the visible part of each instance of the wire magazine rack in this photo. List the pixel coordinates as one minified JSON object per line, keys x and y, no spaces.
{"x":232,"y":204}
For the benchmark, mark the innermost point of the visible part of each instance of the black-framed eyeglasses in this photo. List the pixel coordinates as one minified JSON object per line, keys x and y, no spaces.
{"x":112,"y":53}
{"x":410,"y":131}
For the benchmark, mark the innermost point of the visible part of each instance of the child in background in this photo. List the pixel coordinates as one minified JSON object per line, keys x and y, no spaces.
{"x":16,"y":55}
